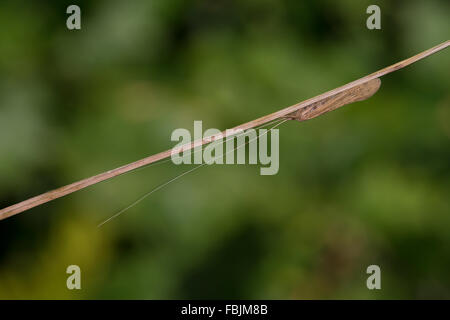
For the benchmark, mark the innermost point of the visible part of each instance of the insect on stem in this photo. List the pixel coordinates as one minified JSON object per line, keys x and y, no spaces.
{"x":357,"y":90}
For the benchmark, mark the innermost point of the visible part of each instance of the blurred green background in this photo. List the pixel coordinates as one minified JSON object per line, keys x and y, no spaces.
{"x":367,"y":184}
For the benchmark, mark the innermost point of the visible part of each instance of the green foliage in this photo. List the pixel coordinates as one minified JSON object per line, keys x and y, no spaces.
{"x":367,"y":184}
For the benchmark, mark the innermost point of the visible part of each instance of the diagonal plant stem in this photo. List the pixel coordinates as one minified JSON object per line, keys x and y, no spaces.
{"x":279,"y":122}
{"x":354,"y":91}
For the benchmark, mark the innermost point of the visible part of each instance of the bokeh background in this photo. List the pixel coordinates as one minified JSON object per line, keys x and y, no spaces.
{"x":367,"y":184}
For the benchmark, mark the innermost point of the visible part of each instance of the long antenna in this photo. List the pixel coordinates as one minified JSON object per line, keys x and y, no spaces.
{"x":357,"y":90}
